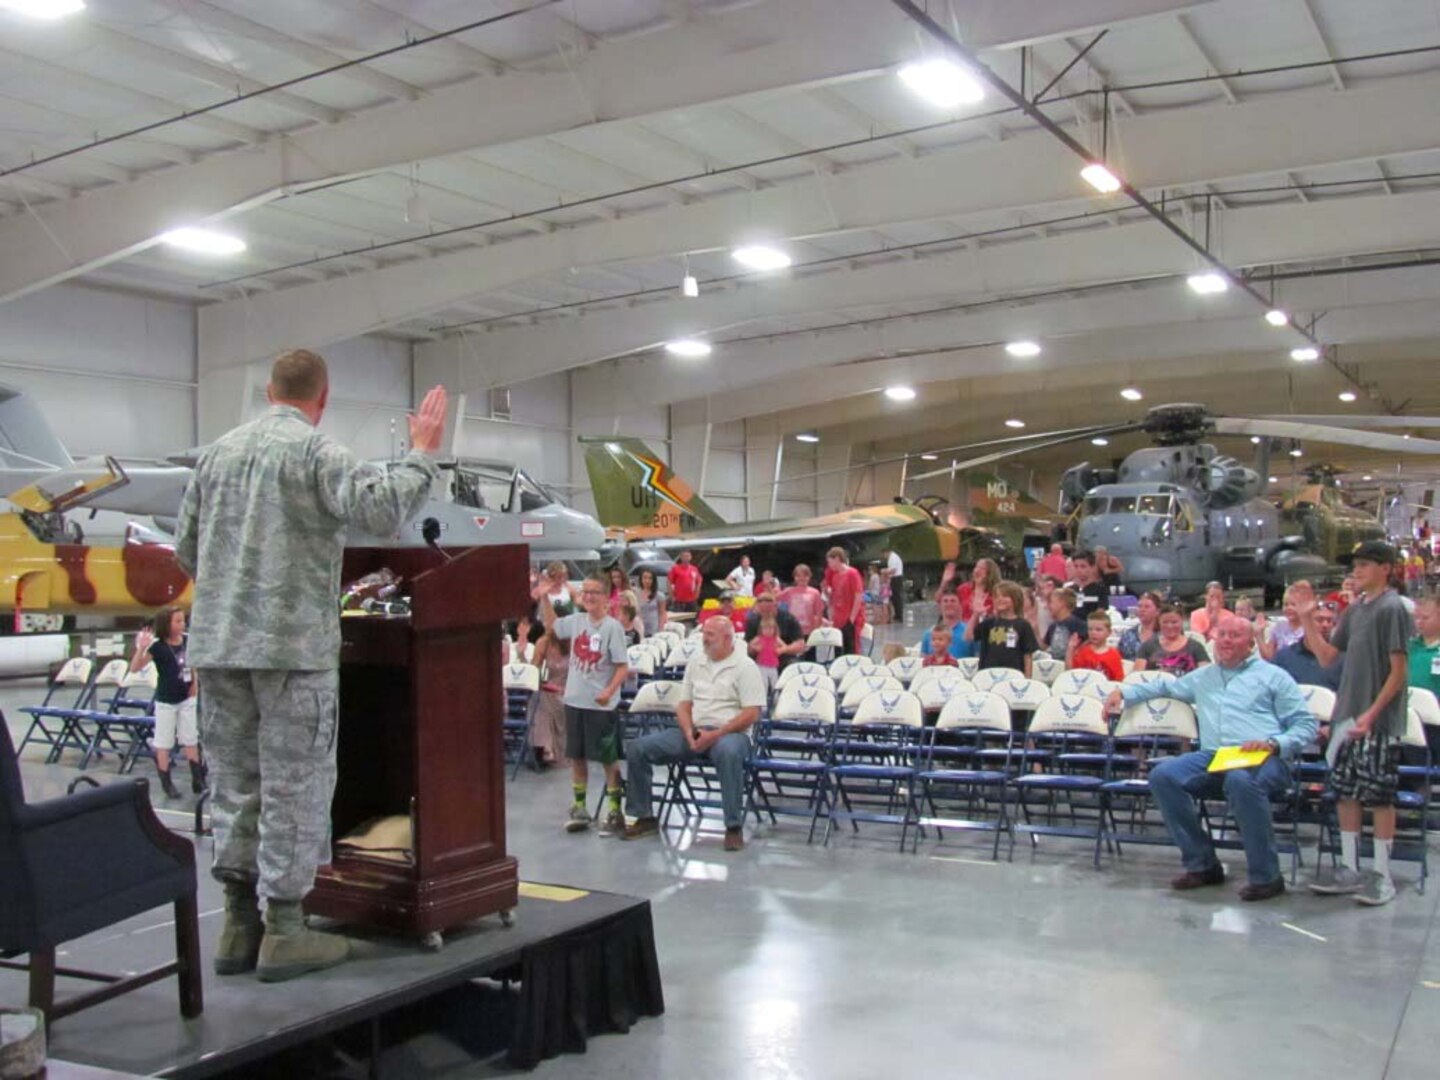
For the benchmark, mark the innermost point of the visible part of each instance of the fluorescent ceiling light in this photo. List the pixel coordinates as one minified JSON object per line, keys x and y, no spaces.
{"x":1207,"y":284}
{"x":1015,"y":423}
{"x":900,"y":393}
{"x":203,"y":241}
{"x":1255,"y":439}
{"x":1023,"y":348}
{"x":1305,"y":352}
{"x":1100,"y":178}
{"x":929,"y":457}
{"x":942,"y":83}
{"x":1099,"y":440}
{"x":761,"y":257}
{"x":1131,"y":394}
{"x":690,"y":348}
{"x":1274,"y":480}
{"x":806,"y":436}
{"x":1347,"y":395}
{"x":1276,"y":317}
{"x":43,"y":9}
{"x":1297,"y":452}
{"x":1367,"y":478}
{"x":689,"y":287}
{"x":613,"y":447}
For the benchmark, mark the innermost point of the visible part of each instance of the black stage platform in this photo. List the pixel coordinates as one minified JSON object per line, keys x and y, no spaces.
{"x":584,"y":963}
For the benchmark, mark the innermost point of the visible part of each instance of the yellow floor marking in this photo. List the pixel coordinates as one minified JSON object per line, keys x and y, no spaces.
{"x":558,"y":893}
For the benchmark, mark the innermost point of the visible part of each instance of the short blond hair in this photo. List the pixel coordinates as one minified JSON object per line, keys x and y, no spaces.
{"x":298,"y":375}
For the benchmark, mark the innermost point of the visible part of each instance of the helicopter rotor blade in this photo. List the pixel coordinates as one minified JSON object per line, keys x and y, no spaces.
{"x":1287,"y":429}
{"x":1361,"y":421}
{"x":1045,"y":443}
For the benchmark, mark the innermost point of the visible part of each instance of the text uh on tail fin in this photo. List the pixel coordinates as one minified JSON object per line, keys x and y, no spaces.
{"x":635,"y":490}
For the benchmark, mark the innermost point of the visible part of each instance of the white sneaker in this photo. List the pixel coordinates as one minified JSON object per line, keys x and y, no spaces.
{"x":1337,"y":881}
{"x":1379,"y":889}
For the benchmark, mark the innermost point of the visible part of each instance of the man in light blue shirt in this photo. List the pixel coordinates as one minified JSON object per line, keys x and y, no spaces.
{"x":1240,"y":700}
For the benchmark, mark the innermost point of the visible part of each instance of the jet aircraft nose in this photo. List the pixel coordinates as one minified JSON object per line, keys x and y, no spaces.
{"x":585,"y":530}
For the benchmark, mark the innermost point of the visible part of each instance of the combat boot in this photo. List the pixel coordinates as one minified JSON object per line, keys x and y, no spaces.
{"x":171,"y":791}
{"x":199,"y":775}
{"x":240,"y":936}
{"x":289,"y":948}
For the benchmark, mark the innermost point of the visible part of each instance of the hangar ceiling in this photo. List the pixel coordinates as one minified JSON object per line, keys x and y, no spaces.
{"x":526,"y":194}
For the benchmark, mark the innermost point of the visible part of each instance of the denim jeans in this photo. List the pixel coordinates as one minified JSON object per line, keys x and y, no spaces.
{"x":1177,"y":782}
{"x":728,"y":755}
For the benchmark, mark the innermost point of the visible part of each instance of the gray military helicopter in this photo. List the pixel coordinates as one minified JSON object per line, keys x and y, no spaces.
{"x":1180,"y":514}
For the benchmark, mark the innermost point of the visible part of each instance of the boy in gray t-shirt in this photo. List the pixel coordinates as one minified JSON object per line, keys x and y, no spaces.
{"x":1368,"y":721}
{"x":598,"y":668}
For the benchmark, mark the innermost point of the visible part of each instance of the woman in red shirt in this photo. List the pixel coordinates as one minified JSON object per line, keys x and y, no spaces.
{"x":977,"y":596}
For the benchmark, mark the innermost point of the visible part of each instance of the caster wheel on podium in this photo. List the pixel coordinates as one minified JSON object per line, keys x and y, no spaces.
{"x":433,"y":941}
{"x":507,"y":917}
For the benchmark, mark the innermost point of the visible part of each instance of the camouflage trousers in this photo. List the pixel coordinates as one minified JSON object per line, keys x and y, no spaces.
{"x":269,"y":737}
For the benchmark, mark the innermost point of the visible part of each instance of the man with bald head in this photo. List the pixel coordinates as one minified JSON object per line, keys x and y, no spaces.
{"x":1240,"y":700}
{"x":720,"y":700}
{"x":262,"y":530}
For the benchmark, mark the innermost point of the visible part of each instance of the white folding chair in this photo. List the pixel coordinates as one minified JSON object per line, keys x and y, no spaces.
{"x":934,"y":693}
{"x":990,"y":677}
{"x":787,"y":770}
{"x":799,"y":668}
{"x":826,"y":641}
{"x":862,"y":687}
{"x":1046,"y":668}
{"x":969,"y":665}
{"x":843,"y":665}
{"x":1082,"y":682}
{"x":964,"y":778}
{"x":847,"y":679}
{"x":1061,"y":735}
{"x":521,"y":683}
{"x":905,"y":668}
{"x":1146,"y":676}
{"x":1021,"y":694}
{"x":878,"y":759}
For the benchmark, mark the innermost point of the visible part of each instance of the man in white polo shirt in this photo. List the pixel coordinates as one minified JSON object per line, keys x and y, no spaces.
{"x":719,"y":701}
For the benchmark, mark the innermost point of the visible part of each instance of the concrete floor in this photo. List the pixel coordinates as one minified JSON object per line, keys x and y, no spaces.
{"x":787,"y":960}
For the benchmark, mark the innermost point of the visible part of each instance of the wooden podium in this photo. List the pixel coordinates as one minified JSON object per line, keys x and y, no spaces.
{"x":421,"y":705}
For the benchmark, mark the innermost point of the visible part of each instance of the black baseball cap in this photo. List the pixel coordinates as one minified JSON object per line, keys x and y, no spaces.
{"x":1376,"y":551}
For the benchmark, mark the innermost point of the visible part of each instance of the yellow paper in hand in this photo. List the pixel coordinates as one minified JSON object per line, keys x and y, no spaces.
{"x":1232,"y":757}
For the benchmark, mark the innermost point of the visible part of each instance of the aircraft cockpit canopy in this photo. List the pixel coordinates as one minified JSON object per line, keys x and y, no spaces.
{"x":497,"y":487}
{"x":1159,"y":505}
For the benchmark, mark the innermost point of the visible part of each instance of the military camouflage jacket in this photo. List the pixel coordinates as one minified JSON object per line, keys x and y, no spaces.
{"x":262,"y":529}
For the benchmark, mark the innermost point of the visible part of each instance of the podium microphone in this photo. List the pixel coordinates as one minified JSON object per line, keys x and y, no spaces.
{"x":430,"y":533}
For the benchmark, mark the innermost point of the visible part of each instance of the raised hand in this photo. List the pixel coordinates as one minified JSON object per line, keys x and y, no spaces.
{"x":144,"y":639}
{"x":428,"y":424}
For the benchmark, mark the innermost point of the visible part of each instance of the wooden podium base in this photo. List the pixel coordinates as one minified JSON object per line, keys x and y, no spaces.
{"x":388,"y":896}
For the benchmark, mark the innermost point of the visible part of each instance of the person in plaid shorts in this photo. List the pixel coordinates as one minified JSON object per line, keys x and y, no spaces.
{"x":1368,"y":721}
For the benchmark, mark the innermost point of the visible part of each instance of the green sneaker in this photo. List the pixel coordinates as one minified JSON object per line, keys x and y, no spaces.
{"x":579,"y":819}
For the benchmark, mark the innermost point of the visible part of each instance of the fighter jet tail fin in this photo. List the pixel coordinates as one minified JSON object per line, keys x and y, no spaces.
{"x":636,"y":491}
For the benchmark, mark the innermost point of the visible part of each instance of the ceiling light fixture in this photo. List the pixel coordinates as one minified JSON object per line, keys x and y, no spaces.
{"x":1209,"y":283}
{"x":1274,"y":480}
{"x":929,"y":457}
{"x":1305,"y":352}
{"x":942,"y":83}
{"x":761,"y":257}
{"x":1015,"y":423}
{"x":1023,"y":349}
{"x":1347,"y":395}
{"x":689,"y":287}
{"x":1367,"y":477}
{"x":1100,"y":178}
{"x":1297,"y":452}
{"x":203,"y":241}
{"x":806,"y":436}
{"x":690,"y":348}
{"x":1131,"y":394}
{"x":1100,"y":440}
{"x":1255,"y":439}
{"x":613,"y":447}
{"x":1276,"y":317}
{"x":900,"y":393}
{"x":43,"y":9}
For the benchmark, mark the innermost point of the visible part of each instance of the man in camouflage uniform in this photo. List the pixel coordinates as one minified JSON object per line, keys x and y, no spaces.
{"x":262,"y":530}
